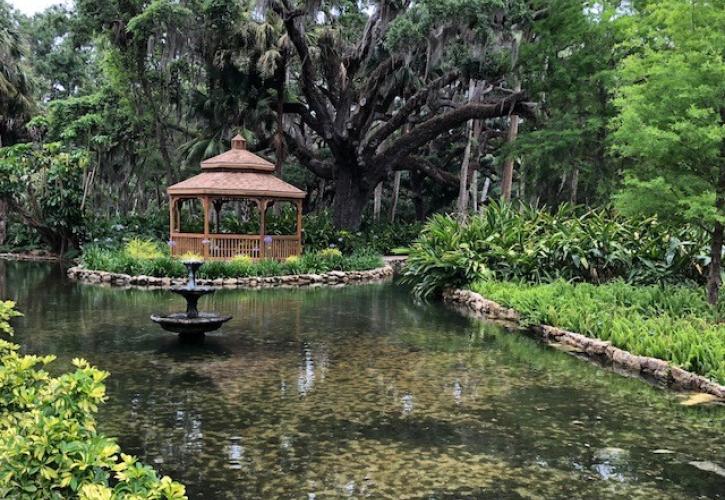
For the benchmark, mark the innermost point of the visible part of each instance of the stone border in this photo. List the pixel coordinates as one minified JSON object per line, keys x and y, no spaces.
{"x":84,"y":275}
{"x":44,"y":257}
{"x":655,"y":368}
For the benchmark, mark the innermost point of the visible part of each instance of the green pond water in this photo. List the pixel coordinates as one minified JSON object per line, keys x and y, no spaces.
{"x":360,"y":392}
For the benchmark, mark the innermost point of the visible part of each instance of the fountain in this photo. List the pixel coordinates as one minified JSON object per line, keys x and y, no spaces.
{"x":192,"y":324}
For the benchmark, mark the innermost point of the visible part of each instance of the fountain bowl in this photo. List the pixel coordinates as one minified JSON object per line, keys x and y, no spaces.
{"x":183,"y":325}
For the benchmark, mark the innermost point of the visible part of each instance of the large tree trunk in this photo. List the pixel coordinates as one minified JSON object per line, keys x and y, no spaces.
{"x":349,"y":200}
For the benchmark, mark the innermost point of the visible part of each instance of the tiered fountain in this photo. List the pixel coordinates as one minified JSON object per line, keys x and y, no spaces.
{"x":191,"y":325}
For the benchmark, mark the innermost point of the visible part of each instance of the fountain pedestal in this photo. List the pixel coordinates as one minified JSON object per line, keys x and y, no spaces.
{"x":192,"y":324}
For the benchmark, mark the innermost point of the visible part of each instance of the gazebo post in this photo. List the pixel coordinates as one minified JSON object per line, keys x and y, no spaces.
{"x":299,"y":227}
{"x":205,"y":204}
{"x":172,"y":211}
{"x":177,"y":214}
{"x":262,"y":203}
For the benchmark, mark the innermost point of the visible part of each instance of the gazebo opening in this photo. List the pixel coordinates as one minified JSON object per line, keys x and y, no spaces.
{"x":236,"y":206}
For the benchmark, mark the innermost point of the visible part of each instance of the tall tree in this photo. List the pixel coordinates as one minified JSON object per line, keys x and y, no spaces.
{"x":358,"y":92}
{"x":671,"y":120}
{"x":568,"y":62}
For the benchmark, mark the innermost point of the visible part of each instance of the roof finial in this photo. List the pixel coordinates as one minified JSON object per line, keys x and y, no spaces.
{"x":238,"y":142}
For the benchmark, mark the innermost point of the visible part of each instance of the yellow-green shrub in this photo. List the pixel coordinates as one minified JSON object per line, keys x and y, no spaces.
{"x":330,"y":253}
{"x":140,"y":249}
{"x":49,"y":446}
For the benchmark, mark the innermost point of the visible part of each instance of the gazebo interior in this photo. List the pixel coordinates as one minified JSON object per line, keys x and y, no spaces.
{"x":234,"y":180}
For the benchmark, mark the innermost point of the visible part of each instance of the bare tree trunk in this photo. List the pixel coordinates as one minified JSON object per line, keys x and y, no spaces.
{"x":473,"y":192}
{"x":713,"y":275}
{"x":484,"y":191}
{"x":396,"y":195}
{"x":377,"y":201}
{"x":574,"y":185}
{"x":463,"y":185}
{"x":508,"y":165}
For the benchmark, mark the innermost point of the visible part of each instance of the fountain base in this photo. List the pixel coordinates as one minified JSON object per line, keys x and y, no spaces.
{"x":183,"y":325}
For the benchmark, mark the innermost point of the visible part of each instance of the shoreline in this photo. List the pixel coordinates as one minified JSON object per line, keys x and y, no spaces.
{"x":663,"y":372}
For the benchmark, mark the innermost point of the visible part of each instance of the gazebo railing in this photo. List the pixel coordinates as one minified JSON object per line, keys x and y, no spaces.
{"x":227,"y":246}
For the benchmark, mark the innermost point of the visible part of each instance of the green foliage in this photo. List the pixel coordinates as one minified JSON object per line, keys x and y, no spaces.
{"x":140,"y":249}
{"x":670,"y":104}
{"x":49,"y":444}
{"x":44,"y":187}
{"x":537,"y":246}
{"x":7,"y":311}
{"x":382,"y":237}
{"x":673,"y":323}
{"x":137,"y":263}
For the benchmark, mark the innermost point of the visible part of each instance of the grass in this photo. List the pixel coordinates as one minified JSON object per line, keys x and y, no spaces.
{"x":151,"y":259}
{"x":668,"y":322}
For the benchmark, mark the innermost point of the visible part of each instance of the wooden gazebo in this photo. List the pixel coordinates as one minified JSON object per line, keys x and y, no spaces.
{"x":234,"y":175}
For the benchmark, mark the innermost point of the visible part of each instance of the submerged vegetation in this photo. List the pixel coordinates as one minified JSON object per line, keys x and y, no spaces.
{"x":49,"y":444}
{"x":145,"y":257}
{"x":669,"y":322}
{"x":537,"y":246}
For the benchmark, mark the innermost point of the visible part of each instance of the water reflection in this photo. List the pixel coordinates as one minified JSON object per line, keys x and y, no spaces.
{"x":360,"y":392}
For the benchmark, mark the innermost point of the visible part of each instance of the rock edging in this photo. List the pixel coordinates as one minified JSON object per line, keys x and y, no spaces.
{"x":84,"y":275}
{"x":33,"y":256}
{"x":655,"y":368}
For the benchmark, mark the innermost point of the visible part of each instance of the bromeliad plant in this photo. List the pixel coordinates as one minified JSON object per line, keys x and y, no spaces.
{"x":49,"y":445}
{"x":538,"y":246}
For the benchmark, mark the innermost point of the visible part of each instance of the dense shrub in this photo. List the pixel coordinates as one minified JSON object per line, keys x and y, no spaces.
{"x":668,"y":322}
{"x":43,"y":186}
{"x":49,"y":446}
{"x":381,"y":237}
{"x":537,"y":246}
{"x":127,"y":262}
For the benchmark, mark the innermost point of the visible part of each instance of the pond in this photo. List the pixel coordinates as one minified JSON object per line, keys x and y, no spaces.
{"x":360,"y":392}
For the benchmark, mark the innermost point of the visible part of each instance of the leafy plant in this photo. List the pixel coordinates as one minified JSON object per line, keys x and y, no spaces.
{"x":142,"y":249}
{"x":44,"y":187}
{"x":670,"y":322}
{"x":49,"y":444}
{"x":537,"y":246}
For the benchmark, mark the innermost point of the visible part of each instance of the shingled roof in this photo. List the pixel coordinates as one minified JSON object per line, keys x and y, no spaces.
{"x":237,"y":172}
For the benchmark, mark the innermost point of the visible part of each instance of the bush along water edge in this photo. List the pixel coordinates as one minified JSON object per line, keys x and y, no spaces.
{"x":49,"y":443}
{"x":149,"y":258}
{"x":669,"y":322}
{"x":536,"y":246}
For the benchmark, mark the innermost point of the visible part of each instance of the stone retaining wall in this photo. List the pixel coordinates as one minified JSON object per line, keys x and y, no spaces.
{"x":658,"y":369}
{"x":293,"y":280}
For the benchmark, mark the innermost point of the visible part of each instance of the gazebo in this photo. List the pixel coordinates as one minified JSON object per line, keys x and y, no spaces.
{"x":234,"y":175}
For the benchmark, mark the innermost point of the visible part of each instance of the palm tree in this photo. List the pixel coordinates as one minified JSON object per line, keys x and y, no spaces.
{"x":16,"y":101}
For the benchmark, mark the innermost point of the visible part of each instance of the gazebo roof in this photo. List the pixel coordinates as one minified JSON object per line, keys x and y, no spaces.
{"x":237,"y":172}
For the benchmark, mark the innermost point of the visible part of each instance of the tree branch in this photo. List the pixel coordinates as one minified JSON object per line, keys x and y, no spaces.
{"x":307,"y":157}
{"x":401,"y":117}
{"x":429,"y":129}
{"x":309,"y":79}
